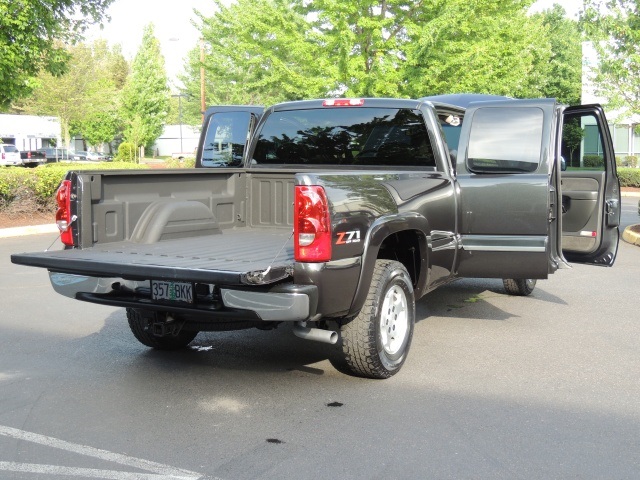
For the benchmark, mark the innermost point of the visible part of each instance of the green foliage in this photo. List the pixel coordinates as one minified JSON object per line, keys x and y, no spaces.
{"x":41,"y":183}
{"x":126,"y":152}
{"x":189,"y":162}
{"x":631,"y":161}
{"x":615,"y":32}
{"x":32,"y":34}
{"x":629,"y":177}
{"x":592,"y":161}
{"x":258,"y":52}
{"x":483,"y":47}
{"x":145,"y":98}
{"x":564,"y":78}
{"x":84,"y":98}
{"x":267,"y":51}
{"x":572,"y":135}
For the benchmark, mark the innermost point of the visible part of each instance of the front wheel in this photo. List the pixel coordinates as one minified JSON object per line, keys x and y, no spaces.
{"x":141,"y":328}
{"x":519,"y":286}
{"x":376,"y":342}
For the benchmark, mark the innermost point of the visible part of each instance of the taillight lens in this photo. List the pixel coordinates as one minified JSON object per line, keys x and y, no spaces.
{"x":63,"y":215}
{"x":312,"y":225}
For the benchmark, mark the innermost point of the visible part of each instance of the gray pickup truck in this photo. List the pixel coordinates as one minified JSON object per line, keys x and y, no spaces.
{"x":337,"y":215}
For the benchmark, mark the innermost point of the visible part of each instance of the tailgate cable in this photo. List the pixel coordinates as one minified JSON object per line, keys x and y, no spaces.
{"x":258,"y":277}
{"x":73,"y":219}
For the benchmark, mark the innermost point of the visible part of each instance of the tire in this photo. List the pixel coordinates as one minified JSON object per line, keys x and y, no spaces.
{"x":519,"y":286}
{"x":376,"y":342}
{"x":140,"y":327}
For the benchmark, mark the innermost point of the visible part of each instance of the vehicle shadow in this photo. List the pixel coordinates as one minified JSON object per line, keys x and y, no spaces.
{"x":479,"y":299}
{"x":280,"y":351}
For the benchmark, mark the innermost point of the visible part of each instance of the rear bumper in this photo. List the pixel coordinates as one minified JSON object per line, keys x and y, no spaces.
{"x":286,"y":302}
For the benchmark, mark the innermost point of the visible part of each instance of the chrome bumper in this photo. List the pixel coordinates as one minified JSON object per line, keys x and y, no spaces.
{"x":283,"y":303}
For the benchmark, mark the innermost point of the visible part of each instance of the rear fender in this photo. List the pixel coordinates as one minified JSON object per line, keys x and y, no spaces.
{"x":412,"y":224}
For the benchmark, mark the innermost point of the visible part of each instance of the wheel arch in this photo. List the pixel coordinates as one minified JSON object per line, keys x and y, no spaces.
{"x":400,"y":237}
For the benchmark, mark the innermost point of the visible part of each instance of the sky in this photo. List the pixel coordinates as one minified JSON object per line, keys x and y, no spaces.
{"x":173,"y":28}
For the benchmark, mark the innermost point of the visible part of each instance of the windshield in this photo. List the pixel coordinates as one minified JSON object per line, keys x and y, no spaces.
{"x":10,"y":148}
{"x":345,"y":136}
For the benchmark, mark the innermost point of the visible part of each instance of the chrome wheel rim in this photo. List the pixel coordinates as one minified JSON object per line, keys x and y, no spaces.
{"x":394,"y":320}
{"x":531,"y":283}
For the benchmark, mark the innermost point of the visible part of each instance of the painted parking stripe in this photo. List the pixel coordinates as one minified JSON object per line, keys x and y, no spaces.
{"x":82,"y":472}
{"x":159,"y":470}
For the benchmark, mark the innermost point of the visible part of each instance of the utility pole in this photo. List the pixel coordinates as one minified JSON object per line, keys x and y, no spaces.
{"x":203,"y":104}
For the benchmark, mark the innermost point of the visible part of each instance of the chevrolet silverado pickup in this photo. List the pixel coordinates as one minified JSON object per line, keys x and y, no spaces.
{"x":337,"y":215}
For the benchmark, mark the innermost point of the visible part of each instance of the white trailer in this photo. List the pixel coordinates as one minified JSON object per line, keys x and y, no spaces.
{"x":29,"y":132}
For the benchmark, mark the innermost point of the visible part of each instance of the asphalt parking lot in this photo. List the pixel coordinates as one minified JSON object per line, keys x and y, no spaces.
{"x":495,"y":387}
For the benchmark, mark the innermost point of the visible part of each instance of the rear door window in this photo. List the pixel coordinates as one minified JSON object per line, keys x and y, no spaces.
{"x":224,"y":143}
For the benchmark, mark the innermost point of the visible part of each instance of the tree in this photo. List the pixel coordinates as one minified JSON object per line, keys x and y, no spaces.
{"x":32,"y":38}
{"x":482,"y":47}
{"x":145,"y":98}
{"x":368,"y":40}
{"x":85,"y":98}
{"x":564,"y":78}
{"x":262,"y":51}
{"x":274,"y":50}
{"x":614,"y":28}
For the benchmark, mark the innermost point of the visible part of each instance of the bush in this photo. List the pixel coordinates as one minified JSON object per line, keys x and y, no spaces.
{"x":593,"y":161}
{"x":188,"y":162}
{"x":631,"y":161}
{"x":629,"y":177}
{"x":126,"y":152}
{"x":34,"y":188}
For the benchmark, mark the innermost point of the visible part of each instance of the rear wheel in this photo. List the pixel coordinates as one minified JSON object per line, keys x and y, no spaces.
{"x":376,"y":342}
{"x":141,"y":323}
{"x":519,"y":286}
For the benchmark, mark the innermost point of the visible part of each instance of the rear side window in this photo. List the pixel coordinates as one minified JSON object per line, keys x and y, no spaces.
{"x":225,"y":141}
{"x":505,"y":140}
{"x":345,"y":136}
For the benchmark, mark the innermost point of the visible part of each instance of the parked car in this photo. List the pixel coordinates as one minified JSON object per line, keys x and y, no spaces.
{"x":9,"y":155}
{"x":90,"y":156}
{"x":55,"y":154}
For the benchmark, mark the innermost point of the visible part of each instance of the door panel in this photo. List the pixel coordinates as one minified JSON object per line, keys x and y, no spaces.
{"x":225,"y":133}
{"x":589,"y":186}
{"x":505,"y":192}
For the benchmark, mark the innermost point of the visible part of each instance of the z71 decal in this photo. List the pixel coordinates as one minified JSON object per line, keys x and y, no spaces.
{"x":352,"y":236}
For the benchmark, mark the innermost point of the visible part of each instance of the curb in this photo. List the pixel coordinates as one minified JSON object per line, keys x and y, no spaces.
{"x":31,"y":230}
{"x":630,"y":236}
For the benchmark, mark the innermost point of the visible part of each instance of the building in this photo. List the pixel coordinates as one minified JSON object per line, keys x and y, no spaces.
{"x":625,"y":130}
{"x":29,"y":132}
{"x":177,"y":140}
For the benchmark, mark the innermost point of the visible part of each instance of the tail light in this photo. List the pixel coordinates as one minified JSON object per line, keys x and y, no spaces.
{"x":312,"y":225}
{"x":3,"y":157}
{"x":64,"y":219}
{"x":343,"y":102}
{"x":28,"y":154}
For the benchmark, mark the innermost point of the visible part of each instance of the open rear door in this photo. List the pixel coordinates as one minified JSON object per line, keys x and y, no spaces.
{"x":589,"y":186}
{"x":225,"y":132}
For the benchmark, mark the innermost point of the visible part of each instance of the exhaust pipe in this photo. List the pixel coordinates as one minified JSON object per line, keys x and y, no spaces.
{"x":316,"y":334}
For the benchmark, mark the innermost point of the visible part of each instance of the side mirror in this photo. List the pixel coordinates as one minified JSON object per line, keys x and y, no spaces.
{"x":563,"y":164}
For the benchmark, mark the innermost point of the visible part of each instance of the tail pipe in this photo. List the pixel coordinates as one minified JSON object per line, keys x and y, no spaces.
{"x":301,"y":330}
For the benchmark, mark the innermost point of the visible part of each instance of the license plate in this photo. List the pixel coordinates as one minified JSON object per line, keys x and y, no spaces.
{"x":172,"y":291}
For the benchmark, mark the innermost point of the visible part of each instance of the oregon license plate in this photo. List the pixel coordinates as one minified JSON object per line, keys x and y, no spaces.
{"x":172,"y":291}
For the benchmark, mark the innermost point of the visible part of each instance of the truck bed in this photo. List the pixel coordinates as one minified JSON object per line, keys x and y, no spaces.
{"x":224,"y":258}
